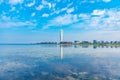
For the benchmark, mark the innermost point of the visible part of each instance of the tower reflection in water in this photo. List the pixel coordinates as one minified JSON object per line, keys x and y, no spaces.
{"x":61,"y":52}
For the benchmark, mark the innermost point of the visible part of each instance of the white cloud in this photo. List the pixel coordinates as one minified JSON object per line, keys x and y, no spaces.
{"x":7,"y":22}
{"x":49,"y":4}
{"x":45,"y":15}
{"x":40,"y":7}
{"x":93,"y":1}
{"x":53,"y":5}
{"x":70,"y":10}
{"x":63,"y":9}
{"x":98,"y":12}
{"x":33,"y":14}
{"x":83,"y":16}
{"x":67,"y":9}
{"x":5,"y":18}
{"x":88,"y":1}
{"x":65,"y":20}
{"x":62,"y":20}
{"x":110,"y":20}
{"x":31,"y":4}
{"x":46,"y":3}
{"x":106,"y":19}
{"x":14,"y":2}
{"x":106,"y":1}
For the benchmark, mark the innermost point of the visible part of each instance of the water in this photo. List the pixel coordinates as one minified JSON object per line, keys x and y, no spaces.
{"x":46,"y":62}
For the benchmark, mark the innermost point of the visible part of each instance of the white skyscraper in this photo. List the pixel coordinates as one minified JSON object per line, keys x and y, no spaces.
{"x":61,"y":35}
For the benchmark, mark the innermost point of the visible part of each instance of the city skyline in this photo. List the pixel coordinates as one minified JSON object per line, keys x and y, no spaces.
{"x":31,"y":21}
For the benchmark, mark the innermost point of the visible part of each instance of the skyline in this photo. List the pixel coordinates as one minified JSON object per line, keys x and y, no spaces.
{"x":29,"y":21}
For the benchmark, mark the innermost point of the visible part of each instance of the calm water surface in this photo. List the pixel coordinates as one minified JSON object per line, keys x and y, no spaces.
{"x":46,"y":62}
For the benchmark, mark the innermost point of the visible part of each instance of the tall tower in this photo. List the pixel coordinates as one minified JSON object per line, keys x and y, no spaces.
{"x":61,"y":35}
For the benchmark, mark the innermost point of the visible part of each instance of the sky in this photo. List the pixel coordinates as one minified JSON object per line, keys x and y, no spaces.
{"x":30,"y":21}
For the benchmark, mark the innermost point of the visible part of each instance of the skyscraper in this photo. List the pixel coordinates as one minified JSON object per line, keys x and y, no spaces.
{"x":61,"y":35}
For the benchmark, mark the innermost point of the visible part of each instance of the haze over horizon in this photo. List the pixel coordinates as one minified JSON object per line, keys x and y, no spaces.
{"x":29,"y":21}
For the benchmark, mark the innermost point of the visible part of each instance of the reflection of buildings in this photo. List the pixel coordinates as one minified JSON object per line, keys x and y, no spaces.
{"x":85,"y":46}
{"x":61,"y":52}
{"x":66,"y":43}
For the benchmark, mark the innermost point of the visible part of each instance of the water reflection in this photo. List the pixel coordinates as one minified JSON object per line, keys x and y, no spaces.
{"x":61,"y":52}
{"x":36,"y":62}
{"x":94,"y":46}
{"x":105,"y":46}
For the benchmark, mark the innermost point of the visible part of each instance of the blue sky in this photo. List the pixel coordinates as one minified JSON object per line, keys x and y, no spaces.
{"x":24,"y":21}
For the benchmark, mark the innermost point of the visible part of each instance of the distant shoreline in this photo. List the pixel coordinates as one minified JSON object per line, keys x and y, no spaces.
{"x":60,"y":44}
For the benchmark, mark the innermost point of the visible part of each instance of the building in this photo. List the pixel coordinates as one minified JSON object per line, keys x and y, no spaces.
{"x":76,"y":42}
{"x":61,"y":35}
